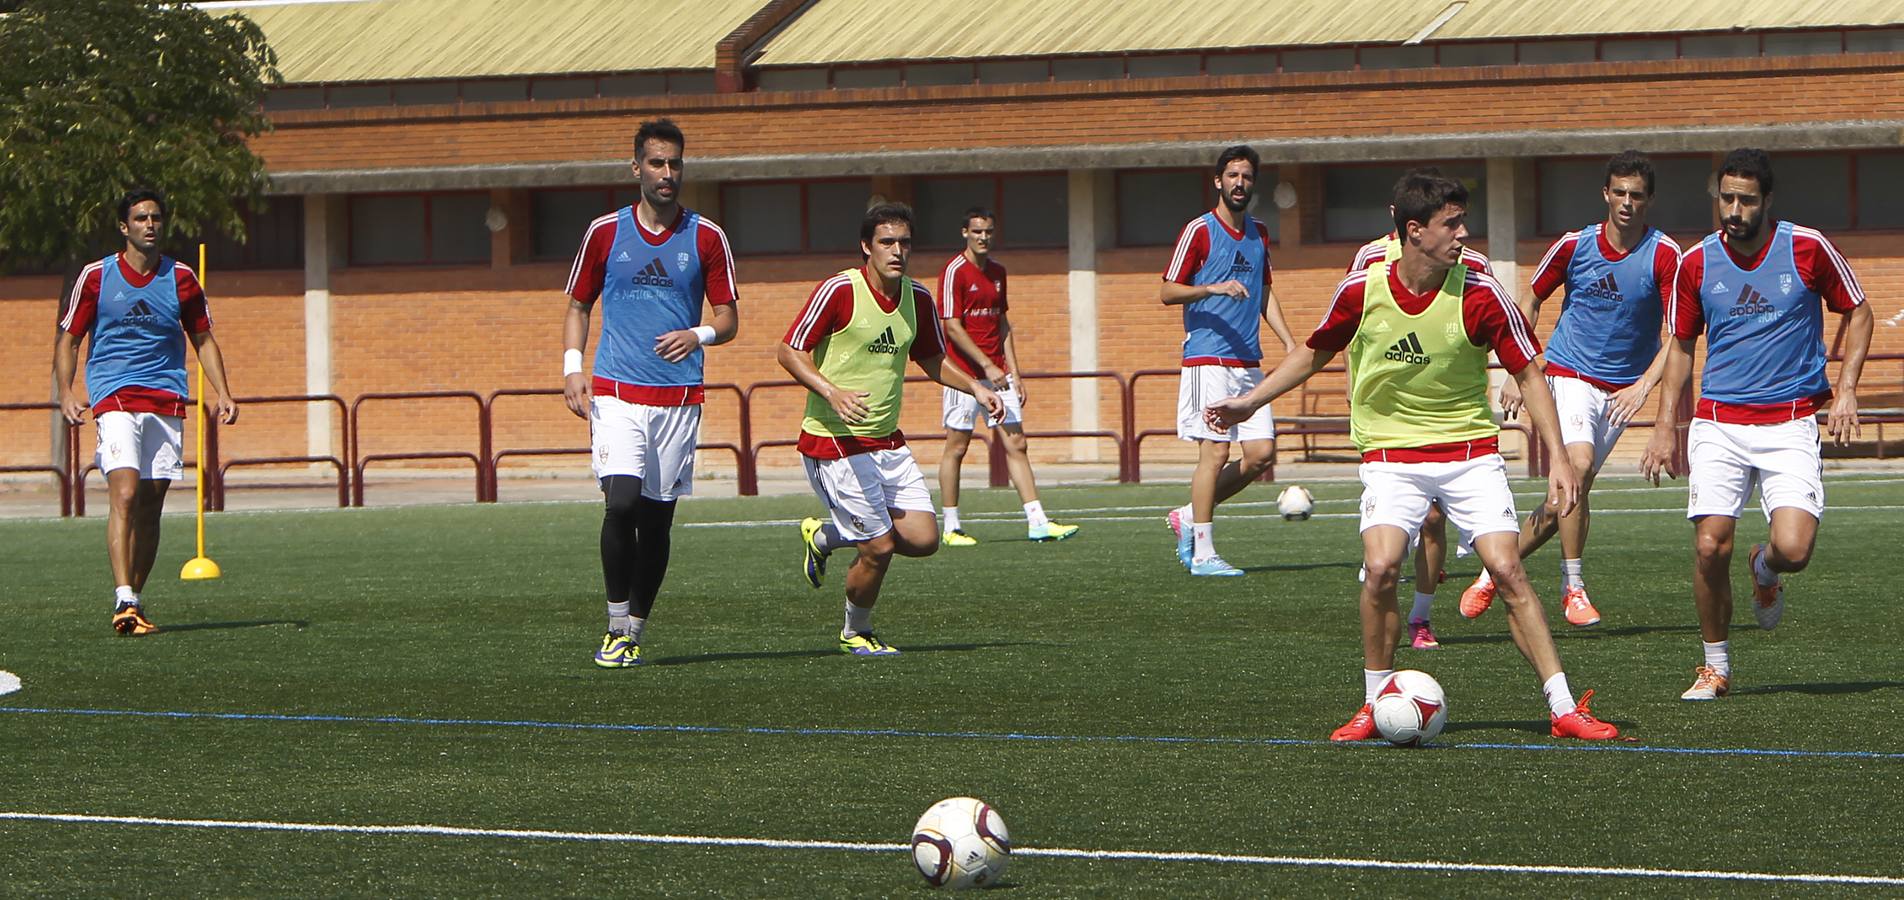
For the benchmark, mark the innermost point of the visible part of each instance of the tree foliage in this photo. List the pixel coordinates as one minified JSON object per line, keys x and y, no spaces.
{"x":99,"y":96}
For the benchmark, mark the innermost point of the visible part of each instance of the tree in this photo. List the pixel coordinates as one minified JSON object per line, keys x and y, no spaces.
{"x":99,"y":96}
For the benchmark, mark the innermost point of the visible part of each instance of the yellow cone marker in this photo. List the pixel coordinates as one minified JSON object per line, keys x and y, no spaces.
{"x":200,"y":567}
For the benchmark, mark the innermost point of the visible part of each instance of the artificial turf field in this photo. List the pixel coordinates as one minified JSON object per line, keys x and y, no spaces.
{"x":389,"y":667}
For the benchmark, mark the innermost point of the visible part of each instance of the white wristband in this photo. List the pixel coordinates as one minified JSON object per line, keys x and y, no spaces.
{"x":571,"y":362}
{"x":703,"y":333}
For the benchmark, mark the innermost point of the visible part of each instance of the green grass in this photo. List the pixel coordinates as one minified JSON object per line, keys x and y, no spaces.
{"x":489,"y":614}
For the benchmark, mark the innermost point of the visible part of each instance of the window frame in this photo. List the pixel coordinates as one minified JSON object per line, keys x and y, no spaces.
{"x":350,"y":230}
{"x":806,"y":242}
{"x":1322,"y":193}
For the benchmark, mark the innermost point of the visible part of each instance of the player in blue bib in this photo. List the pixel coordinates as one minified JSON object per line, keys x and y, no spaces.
{"x":1604,"y":359}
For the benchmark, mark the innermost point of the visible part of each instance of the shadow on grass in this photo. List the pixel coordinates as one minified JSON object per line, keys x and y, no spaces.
{"x":1303,"y":567}
{"x":1570,"y":633}
{"x":809,"y":654}
{"x":299,"y":624}
{"x":1544,"y":729}
{"x":1822,"y":688}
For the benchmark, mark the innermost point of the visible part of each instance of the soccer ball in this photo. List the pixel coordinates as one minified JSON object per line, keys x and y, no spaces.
{"x":959,"y":843}
{"x":1410,"y":708}
{"x":1295,"y":503}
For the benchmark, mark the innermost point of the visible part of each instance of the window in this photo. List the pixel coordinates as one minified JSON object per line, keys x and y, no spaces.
{"x":793,"y":79}
{"x":794,"y":216}
{"x":500,"y":91}
{"x":1719,"y":46}
{"x":887,"y":76}
{"x":1477,"y":55}
{"x":274,"y":239}
{"x":416,"y":93}
{"x":1411,"y":57}
{"x":561,"y":217}
{"x":691,"y":83}
{"x":418,"y":228}
{"x":288,"y":98}
{"x":1355,"y":199}
{"x":1153,"y":206}
{"x":1168,"y":66}
{"x":1814,"y":189}
{"x":1340,"y":60}
{"x":562,"y":88}
{"x":359,"y":95}
{"x":1888,"y":40}
{"x":929,"y":74}
{"x":1536,"y":53}
{"x":1240,"y":63}
{"x":1650,"y":48}
{"x":1014,"y":71}
{"x":633,"y":85}
{"x":1880,"y":183}
{"x":1032,"y":210}
{"x":1092,"y":69}
{"x":1804,"y":43}
{"x":1569,"y":195}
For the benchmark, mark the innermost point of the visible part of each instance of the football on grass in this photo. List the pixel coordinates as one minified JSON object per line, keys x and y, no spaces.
{"x":1295,"y":503}
{"x":1410,"y":708}
{"x":959,"y":843}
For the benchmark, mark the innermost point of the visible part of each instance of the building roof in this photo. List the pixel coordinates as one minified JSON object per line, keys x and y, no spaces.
{"x":834,"y":32}
{"x":391,"y":40}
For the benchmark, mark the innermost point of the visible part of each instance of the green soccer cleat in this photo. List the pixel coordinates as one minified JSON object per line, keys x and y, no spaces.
{"x":812,"y":561}
{"x":619,"y":651}
{"x":865,"y":644}
{"x":958,"y":538}
{"x":1052,"y":532}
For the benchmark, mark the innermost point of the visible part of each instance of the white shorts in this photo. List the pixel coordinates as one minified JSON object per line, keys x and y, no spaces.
{"x":961,"y":409}
{"x":145,"y":441}
{"x":1200,"y":386}
{"x":860,"y":491}
{"x":652,"y":443}
{"x":1585,"y":415}
{"x":1473,"y":493}
{"x":1782,"y":459}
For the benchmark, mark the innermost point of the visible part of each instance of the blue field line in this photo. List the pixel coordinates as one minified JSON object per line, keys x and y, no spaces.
{"x":763,"y":730}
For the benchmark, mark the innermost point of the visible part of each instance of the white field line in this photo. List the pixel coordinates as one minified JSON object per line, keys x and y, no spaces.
{"x":1155,"y":514}
{"x":1323,"y":862}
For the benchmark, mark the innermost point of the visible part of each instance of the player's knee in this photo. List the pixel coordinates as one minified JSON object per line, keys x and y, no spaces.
{"x":1795,"y":558}
{"x":1256,"y":463}
{"x":1712,"y":549}
{"x":1435,"y":518}
{"x":877,"y":551}
{"x":622,"y":495}
{"x":1383,"y":574}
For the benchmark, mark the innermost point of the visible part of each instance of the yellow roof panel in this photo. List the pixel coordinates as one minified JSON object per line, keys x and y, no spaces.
{"x":1540,"y":18}
{"x":385,"y":40}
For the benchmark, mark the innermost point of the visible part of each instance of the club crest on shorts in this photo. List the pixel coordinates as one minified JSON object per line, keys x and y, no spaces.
{"x":1368,"y":506}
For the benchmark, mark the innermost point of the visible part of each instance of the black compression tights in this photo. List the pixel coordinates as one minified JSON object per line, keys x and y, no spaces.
{"x":635,"y":543}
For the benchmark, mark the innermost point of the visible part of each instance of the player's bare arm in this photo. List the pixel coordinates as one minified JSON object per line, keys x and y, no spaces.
{"x":1628,"y":401}
{"x":1511,"y":400}
{"x":1563,"y":483}
{"x":1273,"y":317}
{"x":956,"y":379}
{"x":65,"y":364}
{"x":961,"y":340}
{"x":575,"y":338}
{"x":212,"y":361}
{"x":850,"y":406}
{"x":1661,"y":455}
{"x":1299,"y":366}
{"x":675,"y":345}
{"x":1011,"y":359}
{"x":1842,"y":424}
{"x":1174,"y":294}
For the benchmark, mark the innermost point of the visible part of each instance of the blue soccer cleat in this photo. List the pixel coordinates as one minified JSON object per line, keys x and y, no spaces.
{"x":1214,"y":567}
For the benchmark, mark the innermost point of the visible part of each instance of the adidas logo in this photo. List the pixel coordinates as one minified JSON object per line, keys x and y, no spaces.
{"x":1407,"y":350}
{"x":1241,"y":265}
{"x":139,"y":312}
{"x":1606,"y":288}
{"x":623,"y":257}
{"x":654,"y":274}
{"x":1752,"y":304}
{"x":885,"y":343}
{"x":1719,"y":287}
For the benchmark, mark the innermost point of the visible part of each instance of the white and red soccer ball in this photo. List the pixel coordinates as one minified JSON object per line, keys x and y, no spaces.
{"x":1295,"y":503}
{"x":961,"y":842}
{"x":1410,"y":708}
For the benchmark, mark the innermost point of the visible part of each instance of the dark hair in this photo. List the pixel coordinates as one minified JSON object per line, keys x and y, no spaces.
{"x":976,"y":212}
{"x":883,"y":213}
{"x":1630,"y":162}
{"x":137,"y":196}
{"x":1240,"y":151}
{"x":1749,"y":162}
{"x":1416,"y":172}
{"x":659,"y":129}
{"x":1419,"y":197}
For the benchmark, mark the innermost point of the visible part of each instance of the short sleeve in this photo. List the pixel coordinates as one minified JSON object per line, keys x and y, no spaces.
{"x":717,"y":264}
{"x":195,"y":312}
{"x":591,"y":261}
{"x":1344,"y":315}
{"x":930,"y":339}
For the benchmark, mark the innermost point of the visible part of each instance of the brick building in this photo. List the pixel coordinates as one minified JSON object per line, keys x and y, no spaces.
{"x":434,"y":164}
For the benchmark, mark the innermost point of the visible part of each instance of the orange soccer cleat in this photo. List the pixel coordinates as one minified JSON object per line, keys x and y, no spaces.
{"x":1359,"y":728}
{"x":1581,"y":724}
{"x":1580,"y":611}
{"x":1708,"y":684}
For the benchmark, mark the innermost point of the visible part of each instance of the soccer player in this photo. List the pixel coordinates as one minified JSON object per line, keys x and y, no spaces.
{"x":972,"y":311}
{"x":1417,"y":335}
{"x":848,"y":347}
{"x":1605,"y":356}
{"x":1220,"y":275}
{"x":1431,"y":548}
{"x":1754,"y":289}
{"x":650,"y":265}
{"x":136,"y":308}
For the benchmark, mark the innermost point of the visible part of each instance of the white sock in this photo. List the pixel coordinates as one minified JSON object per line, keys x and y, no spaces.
{"x":1185,"y":512}
{"x":635,"y":625}
{"x":1035,"y":515}
{"x":1487,"y":578}
{"x":1372,"y":679}
{"x":951,"y":518}
{"x":1719,"y":657}
{"x":1559,"y":698}
{"x":1419,"y":612}
{"x":618,"y":617}
{"x":123,"y":596}
{"x":1763,"y":573}
{"x":1570,"y":575}
{"x":829,"y":539}
{"x":859,"y":620}
{"x":1206,"y":545}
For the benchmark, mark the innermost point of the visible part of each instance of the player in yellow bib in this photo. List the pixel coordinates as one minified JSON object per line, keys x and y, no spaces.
{"x":848,"y":347}
{"x":1417,"y":334}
